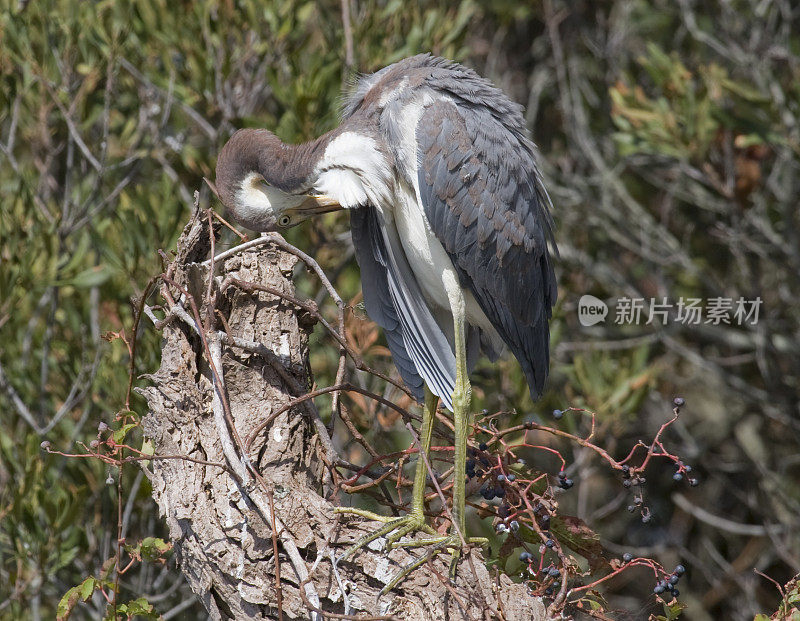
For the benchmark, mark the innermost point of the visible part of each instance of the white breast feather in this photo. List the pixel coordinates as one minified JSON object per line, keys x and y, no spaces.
{"x":353,"y":171}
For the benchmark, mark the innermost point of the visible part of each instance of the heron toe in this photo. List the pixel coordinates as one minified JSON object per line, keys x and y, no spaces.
{"x":394,"y":527}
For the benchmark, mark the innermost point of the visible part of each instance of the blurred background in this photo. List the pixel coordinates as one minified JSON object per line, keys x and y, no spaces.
{"x":670,"y":146}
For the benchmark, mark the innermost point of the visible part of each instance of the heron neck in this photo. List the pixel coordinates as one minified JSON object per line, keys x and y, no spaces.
{"x":289,"y":167}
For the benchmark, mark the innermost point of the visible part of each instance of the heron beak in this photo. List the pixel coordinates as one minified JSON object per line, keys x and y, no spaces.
{"x":315,"y":205}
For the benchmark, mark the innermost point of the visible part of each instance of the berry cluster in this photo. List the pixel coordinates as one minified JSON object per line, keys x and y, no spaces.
{"x":670,"y":583}
{"x":629,"y":481}
{"x":681,"y":470}
{"x":551,"y":573}
{"x":563,"y":481}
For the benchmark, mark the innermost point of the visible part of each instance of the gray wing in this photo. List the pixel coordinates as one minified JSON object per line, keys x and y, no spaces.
{"x":394,"y":301}
{"x":484,"y":200}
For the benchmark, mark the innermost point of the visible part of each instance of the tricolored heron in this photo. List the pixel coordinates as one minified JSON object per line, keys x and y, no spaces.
{"x":451,"y":230}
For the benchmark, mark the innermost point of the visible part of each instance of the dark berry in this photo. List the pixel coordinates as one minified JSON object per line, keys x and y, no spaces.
{"x":626,"y":470}
{"x":687,"y":468}
{"x":514,"y":526}
{"x":646,"y":518}
{"x":561,"y":474}
{"x":675,"y":592}
{"x":627,"y":557}
{"x":557,"y":414}
{"x":556,"y":585}
{"x":680,"y":570}
{"x":525,"y":557}
{"x":626,"y":483}
{"x":487,"y":493}
{"x":511,"y":478}
{"x":548,"y":591}
{"x":553,"y":572}
{"x":470,"y":464}
{"x":483,"y":446}
{"x":659,"y":589}
{"x":677,"y":477}
{"x":693,"y":482}
{"x":631,"y":508}
{"x":499,"y":492}
{"x":501,"y":477}
{"x":550,"y":543}
{"x":503,"y":511}
{"x":673,"y":579}
{"x":485,"y":462}
{"x":567,"y":483}
{"x":679,"y":402}
{"x":485,"y":412}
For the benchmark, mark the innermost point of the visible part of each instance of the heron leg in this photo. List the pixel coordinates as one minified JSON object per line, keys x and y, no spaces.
{"x":396,"y":528}
{"x":462,"y":395}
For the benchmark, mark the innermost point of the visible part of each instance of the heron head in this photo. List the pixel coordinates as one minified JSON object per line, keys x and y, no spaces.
{"x":244,"y":167}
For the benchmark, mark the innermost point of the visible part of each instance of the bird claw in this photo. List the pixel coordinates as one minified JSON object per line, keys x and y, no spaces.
{"x":402,"y":525}
{"x":396,"y":529}
{"x":453,"y":543}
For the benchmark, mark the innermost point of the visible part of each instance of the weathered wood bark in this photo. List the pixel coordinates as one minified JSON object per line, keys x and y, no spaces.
{"x":222,"y":536}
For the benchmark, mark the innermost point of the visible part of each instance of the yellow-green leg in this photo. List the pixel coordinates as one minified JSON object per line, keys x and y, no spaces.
{"x":461,"y":418}
{"x":461,"y":422}
{"x":399,"y":527}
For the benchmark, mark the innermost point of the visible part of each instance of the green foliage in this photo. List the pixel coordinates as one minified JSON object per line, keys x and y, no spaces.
{"x":612,"y":385}
{"x":672,"y":611}
{"x":688,"y":111}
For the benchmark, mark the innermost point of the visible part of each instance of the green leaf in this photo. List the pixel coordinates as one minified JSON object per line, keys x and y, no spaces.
{"x":154,"y":549}
{"x":92,"y":277}
{"x":138,"y":608}
{"x":70,"y":599}
{"x":119,"y":434}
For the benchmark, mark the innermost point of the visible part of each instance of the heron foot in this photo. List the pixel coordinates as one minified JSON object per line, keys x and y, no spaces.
{"x":395,"y":528}
{"x":453,"y":543}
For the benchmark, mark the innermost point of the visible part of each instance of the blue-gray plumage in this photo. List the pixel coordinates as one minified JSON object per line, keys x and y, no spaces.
{"x":450,"y":225}
{"x":483,"y":198}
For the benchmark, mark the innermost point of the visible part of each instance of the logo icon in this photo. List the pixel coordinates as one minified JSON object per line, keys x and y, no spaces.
{"x":591,"y":310}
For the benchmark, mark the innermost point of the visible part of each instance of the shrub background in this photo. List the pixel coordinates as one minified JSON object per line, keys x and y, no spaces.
{"x":671,"y":149}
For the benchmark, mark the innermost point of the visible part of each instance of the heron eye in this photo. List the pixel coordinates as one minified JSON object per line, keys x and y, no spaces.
{"x":284,"y":220}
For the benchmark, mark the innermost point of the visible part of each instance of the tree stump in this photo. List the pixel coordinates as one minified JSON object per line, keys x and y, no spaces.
{"x":220,"y":519}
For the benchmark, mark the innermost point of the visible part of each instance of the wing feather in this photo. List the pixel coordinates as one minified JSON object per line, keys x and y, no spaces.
{"x":484,"y":200}
{"x":419,"y":348}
